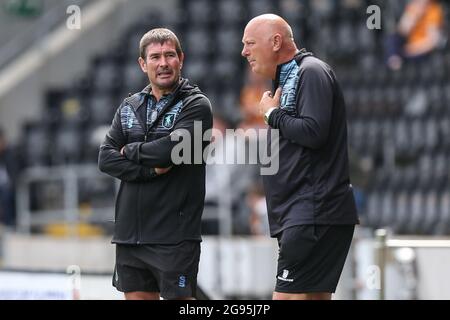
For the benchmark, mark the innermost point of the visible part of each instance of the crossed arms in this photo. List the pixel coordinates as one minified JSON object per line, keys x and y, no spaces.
{"x":142,"y":161}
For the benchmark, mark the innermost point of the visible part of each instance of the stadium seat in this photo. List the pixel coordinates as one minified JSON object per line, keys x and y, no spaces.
{"x":442,"y":226}
{"x":231,"y":13}
{"x":101,"y":108}
{"x":200,"y":13}
{"x":68,"y":146}
{"x":402,"y":212}
{"x":430,"y":212}
{"x":36,"y":145}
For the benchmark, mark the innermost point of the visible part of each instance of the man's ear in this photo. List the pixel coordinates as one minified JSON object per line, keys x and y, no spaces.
{"x":181,"y":60}
{"x":142,"y":64}
{"x":277,"y":41}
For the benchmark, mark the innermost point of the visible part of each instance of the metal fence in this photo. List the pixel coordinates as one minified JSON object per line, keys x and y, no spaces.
{"x":67,"y":194}
{"x":386,"y":242}
{"x":82,"y":194}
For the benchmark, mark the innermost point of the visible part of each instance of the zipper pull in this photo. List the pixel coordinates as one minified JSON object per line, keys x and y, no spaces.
{"x":145,"y":138}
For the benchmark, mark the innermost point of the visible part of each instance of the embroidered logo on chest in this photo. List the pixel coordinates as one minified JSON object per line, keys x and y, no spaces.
{"x":168,"y":120}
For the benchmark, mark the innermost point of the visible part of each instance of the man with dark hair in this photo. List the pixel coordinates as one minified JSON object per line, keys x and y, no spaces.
{"x":160,"y":202}
{"x":310,"y":200}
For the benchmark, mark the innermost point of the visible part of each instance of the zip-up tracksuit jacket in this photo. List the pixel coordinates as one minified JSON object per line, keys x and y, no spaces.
{"x":150,"y":208}
{"x":312,"y":185}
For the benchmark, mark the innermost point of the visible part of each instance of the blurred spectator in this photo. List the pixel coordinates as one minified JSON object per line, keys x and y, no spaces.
{"x":251,"y":94}
{"x":418,"y":32}
{"x":256,"y":201}
{"x":227,"y":180}
{"x":361,"y":171}
{"x":217,"y":175}
{"x":8,"y":172}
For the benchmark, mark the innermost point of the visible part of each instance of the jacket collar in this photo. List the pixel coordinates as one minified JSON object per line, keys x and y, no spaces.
{"x":284,"y":69}
{"x":139,"y":99}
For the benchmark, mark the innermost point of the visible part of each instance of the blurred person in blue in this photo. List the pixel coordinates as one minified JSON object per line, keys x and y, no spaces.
{"x":160,"y":203}
{"x":8,"y":176}
{"x":310,"y":202}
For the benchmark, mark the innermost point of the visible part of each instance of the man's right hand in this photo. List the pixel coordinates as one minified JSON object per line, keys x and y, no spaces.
{"x":162,"y":170}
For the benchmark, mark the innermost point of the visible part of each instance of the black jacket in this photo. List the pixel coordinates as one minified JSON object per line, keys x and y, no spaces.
{"x":154,"y":208}
{"x":312,"y":185}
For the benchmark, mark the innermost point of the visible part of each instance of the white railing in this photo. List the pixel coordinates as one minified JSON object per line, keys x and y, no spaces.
{"x":385,"y":242}
{"x":70,"y":212}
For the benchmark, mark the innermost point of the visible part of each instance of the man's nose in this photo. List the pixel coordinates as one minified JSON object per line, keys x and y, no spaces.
{"x":163,"y":61}
{"x":244,"y":52}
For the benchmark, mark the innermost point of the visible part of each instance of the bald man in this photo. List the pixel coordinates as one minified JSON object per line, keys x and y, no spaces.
{"x":310,"y":200}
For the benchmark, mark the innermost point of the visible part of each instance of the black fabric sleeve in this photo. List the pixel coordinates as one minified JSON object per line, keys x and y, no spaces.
{"x":111,"y":162}
{"x":310,"y":129}
{"x":157,"y":153}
